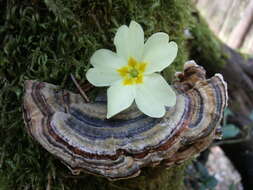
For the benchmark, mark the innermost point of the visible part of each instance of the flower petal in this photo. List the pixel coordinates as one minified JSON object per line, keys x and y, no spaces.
{"x":121,"y":41}
{"x":101,"y":76}
{"x":158,"y":52}
{"x":119,"y":98}
{"x":153,"y":95}
{"x":162,"y":90}
{"x":105,"y":58}
{"x":129,"y":41}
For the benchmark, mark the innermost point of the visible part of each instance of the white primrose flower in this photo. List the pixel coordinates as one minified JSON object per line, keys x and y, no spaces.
{"x":132,"y":74}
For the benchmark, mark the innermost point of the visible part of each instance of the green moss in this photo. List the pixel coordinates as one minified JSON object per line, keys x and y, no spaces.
{"x":204,"y":47}
{"x":152,"y":179}
{"x":246,"y":57}
{"x":47,"y":40}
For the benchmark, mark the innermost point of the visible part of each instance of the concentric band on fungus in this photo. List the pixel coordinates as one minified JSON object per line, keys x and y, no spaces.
{"x":79,"y":135}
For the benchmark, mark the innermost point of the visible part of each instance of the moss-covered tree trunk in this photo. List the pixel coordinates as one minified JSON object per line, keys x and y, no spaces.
{"x":47,"y":40}
{"x":150,"y":179}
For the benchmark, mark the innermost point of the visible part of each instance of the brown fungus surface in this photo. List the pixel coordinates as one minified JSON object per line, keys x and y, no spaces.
{"x":79,"y":134}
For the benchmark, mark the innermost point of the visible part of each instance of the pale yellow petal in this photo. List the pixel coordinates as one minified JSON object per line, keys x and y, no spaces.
{"x":121,"y":41}
{"x":102,"y":77}
{"x":153,"y":95}
{"x":159,"y":52}
{"x":119,"y":98}
{"x":129,"y":41}
{"x":105,"y":58}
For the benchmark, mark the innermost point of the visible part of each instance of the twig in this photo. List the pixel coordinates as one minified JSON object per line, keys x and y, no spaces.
{"x":232,"y":141}
{"x":246,"y":137}
{"x":85,"y":97}
{"x":96,"y":22}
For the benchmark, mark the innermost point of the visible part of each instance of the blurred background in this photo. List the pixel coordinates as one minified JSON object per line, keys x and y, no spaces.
{"x":231,"y":21}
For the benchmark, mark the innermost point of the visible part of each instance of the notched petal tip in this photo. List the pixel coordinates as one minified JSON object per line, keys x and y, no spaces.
{"x":106,"y":59}
{"x":121,"y":32}
{"x":173,"y":49}
{"x":96,"y":56}
{"x":134,"y":25}
{"x":159,"y":53}
{"x":158,"y":36}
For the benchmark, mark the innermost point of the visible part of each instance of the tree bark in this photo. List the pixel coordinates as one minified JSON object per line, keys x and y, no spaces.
{"x":237,"y":70}
{"x":239,"y":74}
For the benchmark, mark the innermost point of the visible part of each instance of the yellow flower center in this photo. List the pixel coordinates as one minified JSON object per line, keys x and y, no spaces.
{"x":132,"y":73}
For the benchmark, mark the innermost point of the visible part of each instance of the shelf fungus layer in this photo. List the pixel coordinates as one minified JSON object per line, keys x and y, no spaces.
{"x":78,"y":133}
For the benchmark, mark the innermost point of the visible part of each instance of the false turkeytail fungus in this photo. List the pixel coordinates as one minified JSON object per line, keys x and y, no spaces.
{"x":78,"y":134}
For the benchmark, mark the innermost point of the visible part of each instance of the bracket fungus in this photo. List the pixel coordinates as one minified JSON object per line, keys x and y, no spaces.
{"x":79,"y":134}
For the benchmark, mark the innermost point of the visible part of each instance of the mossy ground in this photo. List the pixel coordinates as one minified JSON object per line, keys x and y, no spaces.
{"x":47,"y":40}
